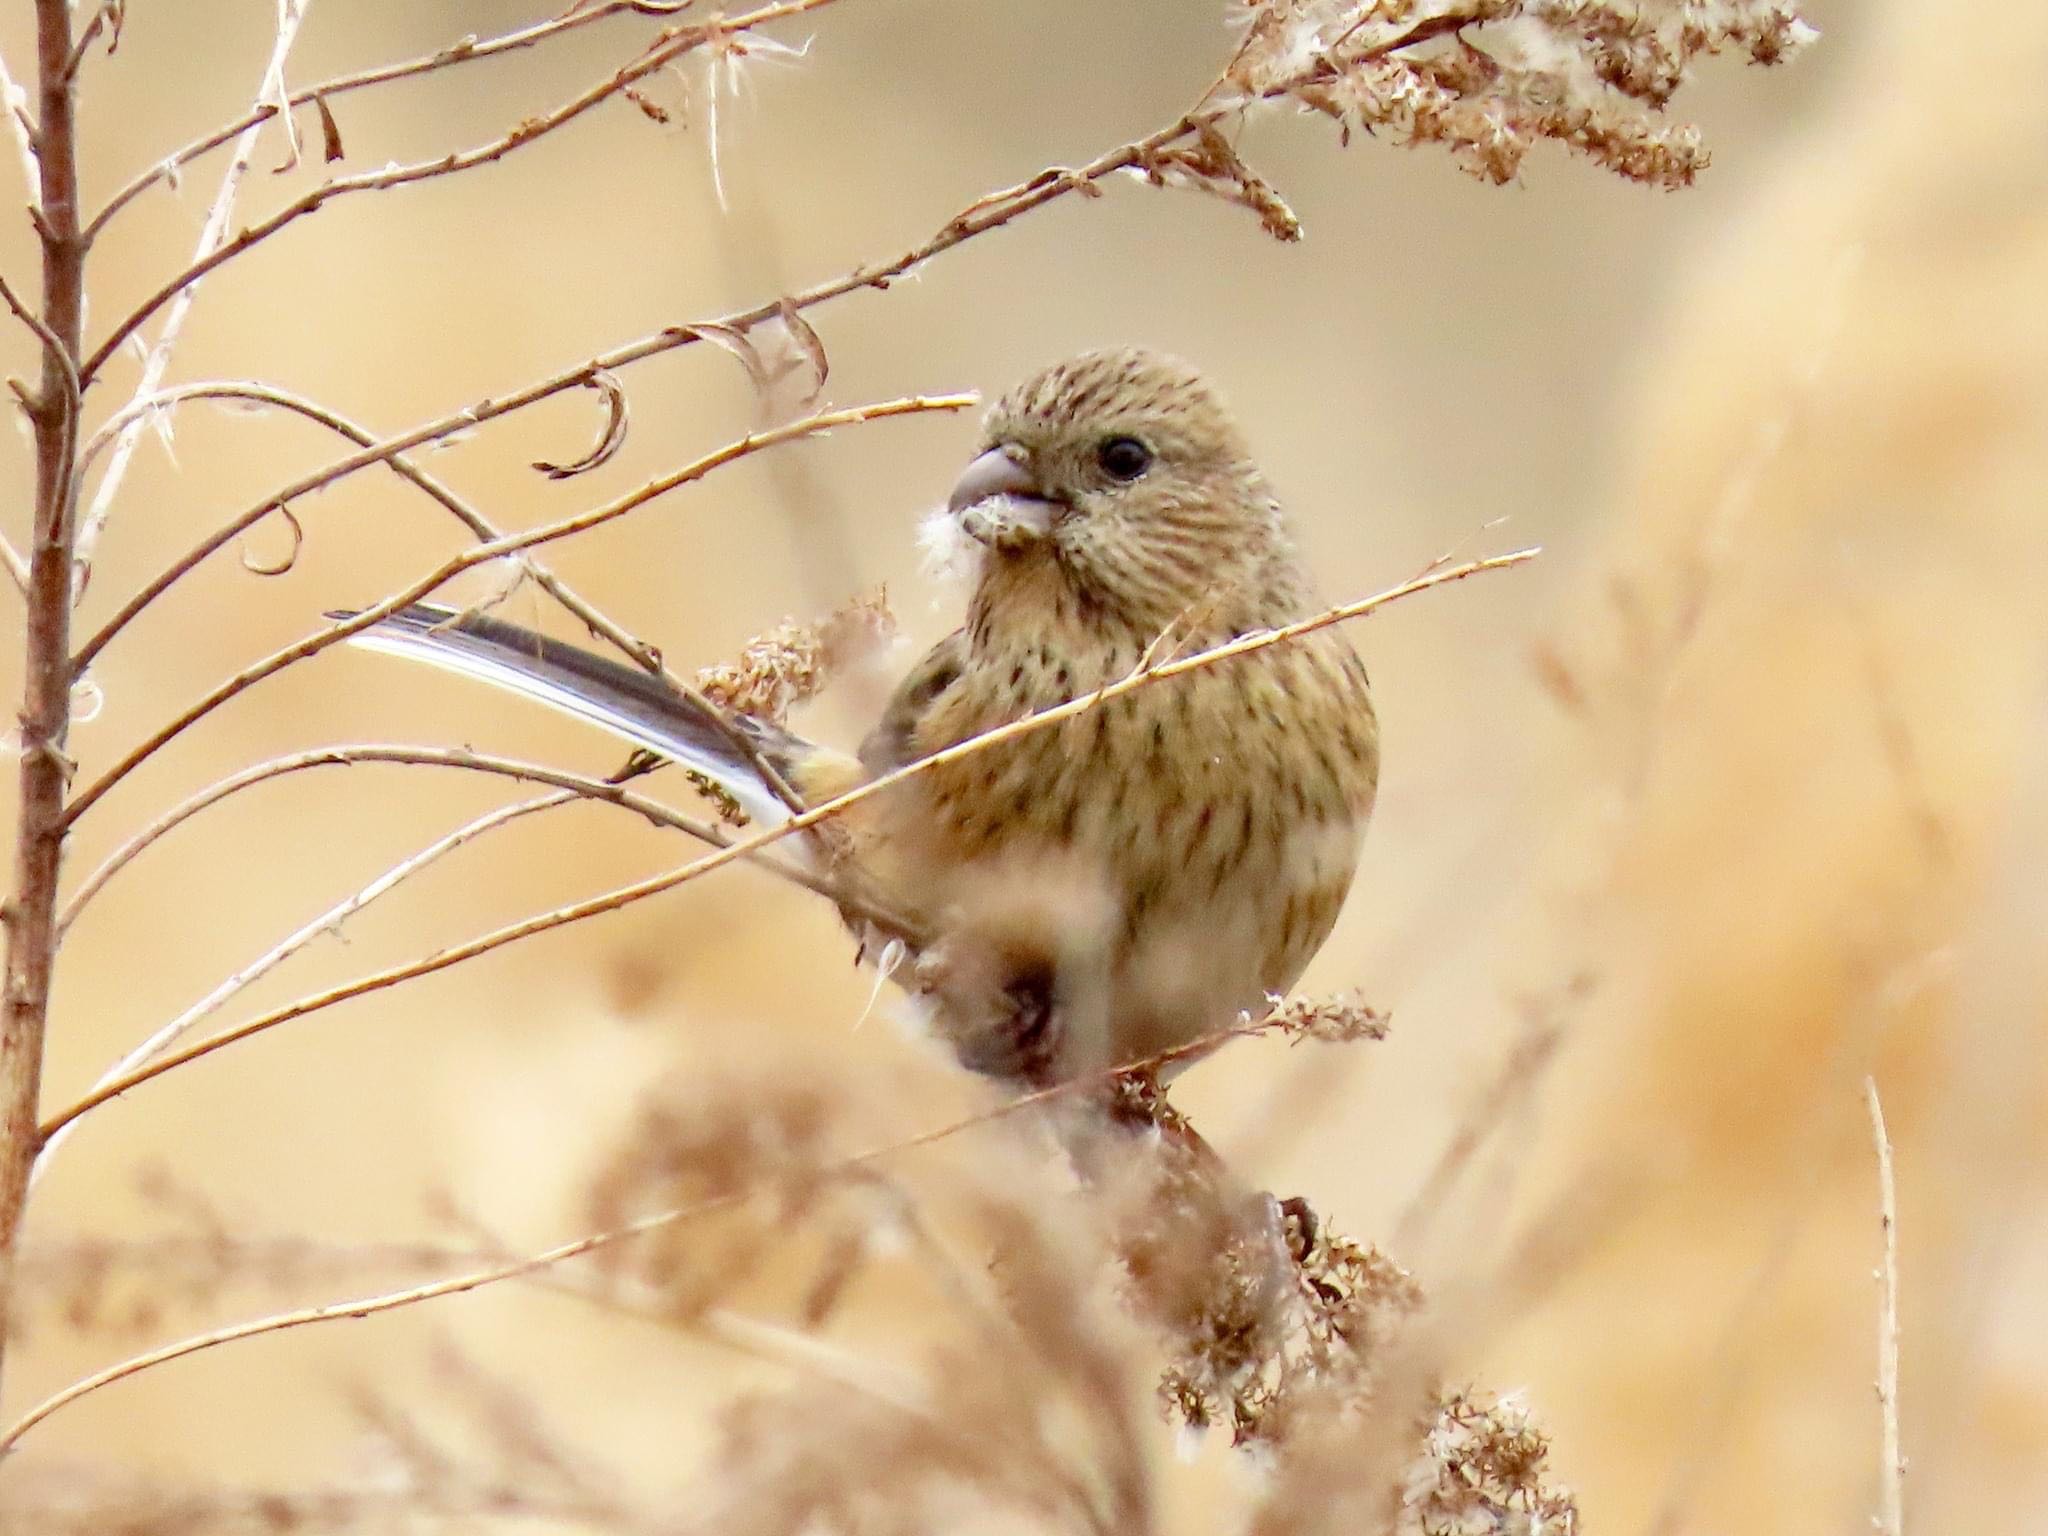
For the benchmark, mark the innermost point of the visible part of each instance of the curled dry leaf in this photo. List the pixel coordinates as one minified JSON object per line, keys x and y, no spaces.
{"x":650,"y":109}
{"x":291,"y":556}
{"x":772,"y":352}
{"x":810,"y":346}
{"x":330,"y":132}
{"x":735,"y":342}
{"x":609,"y":441}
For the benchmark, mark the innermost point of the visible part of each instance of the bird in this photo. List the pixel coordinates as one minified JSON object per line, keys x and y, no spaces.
{"x":1121,"y":885}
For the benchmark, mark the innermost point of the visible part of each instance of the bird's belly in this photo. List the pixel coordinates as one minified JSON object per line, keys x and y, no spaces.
{"x":1216,"y":927}
{"x":1173,"y":864}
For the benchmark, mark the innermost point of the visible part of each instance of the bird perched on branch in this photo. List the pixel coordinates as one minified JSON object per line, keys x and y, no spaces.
{"x":1123,"y":882}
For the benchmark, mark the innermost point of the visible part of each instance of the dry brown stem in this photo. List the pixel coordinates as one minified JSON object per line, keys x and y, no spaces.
{"x":634,"y":648}
{"x":1282,"y":1019}
{"x":344,"y":755}
{"x":985,"y":213}
{"x":31,"y":910}
{"x":1891,"y":1519}
{"x":1454,"y":77}
{"x":157,"y":358}
{"x":466,"y":51}
{"x":329,"y":922}
{"x":573,"y":787}
{"x":674,"y":42}
{"x":498,"y":549}
{"x":622,"y":896}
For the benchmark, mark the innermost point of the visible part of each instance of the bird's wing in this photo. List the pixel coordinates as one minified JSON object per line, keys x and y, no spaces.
{"x":896,"y":738}
{"x":626,"y":701}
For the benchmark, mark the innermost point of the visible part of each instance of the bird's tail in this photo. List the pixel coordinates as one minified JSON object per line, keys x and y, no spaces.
{"x":631,"y":704}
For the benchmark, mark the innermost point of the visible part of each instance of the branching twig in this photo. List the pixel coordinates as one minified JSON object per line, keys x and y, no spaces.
{"x":561,"y":1253}
{"x":53,"y":345}
{"x":368,"y":752}
{"x":466,"y":513}
{"x":53,"y":348}
{"x":45,"y":718}
{"x":1891,"y":1519}
{"x":362,"y":1307}
{"x":463,"y":52}
{"x":329,"y":921}
{"x":211,"y":234}
{"x":676,"y":42}
{"x":579,"y":786}
{"x":498,"y":549}
{"x":572,"y":787}
{"x":14,"y":107}
{"x":626,"y":895}
{"x":986,"y":213}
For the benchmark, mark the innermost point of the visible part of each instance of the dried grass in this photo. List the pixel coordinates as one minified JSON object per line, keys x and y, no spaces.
{"x":988,"y":1325}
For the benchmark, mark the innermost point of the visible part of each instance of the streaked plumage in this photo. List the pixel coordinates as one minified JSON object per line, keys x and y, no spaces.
{"x":1132,"y":878}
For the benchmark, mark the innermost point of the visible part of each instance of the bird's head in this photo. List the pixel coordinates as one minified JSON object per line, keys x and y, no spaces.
{"x":1117,"y":478}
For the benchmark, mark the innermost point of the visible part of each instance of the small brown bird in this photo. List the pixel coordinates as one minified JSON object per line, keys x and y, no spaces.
{"x":1130,"y":879}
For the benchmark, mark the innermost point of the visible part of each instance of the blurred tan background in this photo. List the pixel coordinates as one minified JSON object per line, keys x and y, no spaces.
{"x":1741,"y":786}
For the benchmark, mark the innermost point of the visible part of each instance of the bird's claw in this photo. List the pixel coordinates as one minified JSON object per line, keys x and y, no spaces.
{"x":1002,"y":1022}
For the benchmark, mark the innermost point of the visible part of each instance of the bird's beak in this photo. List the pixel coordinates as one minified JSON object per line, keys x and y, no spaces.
{"x":998,"y":502}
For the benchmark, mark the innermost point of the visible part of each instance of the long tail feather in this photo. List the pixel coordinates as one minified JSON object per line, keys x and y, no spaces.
{"x":623,"y":700}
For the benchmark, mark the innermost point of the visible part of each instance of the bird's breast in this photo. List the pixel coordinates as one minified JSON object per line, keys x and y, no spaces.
{"x":1204,"y":826}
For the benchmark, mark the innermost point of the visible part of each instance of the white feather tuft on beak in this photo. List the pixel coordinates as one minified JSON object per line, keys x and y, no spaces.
{"x":949,"y":552}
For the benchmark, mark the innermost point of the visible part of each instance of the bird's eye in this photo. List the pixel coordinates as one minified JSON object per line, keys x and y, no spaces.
{"x":1123,"y":458}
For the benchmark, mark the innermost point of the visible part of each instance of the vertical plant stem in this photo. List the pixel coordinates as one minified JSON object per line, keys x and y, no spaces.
{"x":31,"y":912}
{"x":1891,"y":1519}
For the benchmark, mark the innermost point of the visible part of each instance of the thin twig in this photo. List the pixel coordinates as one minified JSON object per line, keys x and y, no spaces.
{"x":676,"y":41}
{"x":455,"y":1285}
{"x":1521,"y":1070}
{"x":470,"y":49}
{"x":14,"y":107}
{"x":66,"y":373}
{"x":982,"y":215}
{"x":498,"y":549}
{"x":576,"y":784}
{"x":462,"y":52}
{"x":211,"y":234}
{"x":1891,"y":1519}
{"x":623,"y":896}
{"x":635,"y":649}
{"x":362,"y":1307}
{"x":86,"y":39}
{"x":329,"y":921}
{"x":53,"y":346}
{"x":17,"y":564}
{"x":572,"y":787}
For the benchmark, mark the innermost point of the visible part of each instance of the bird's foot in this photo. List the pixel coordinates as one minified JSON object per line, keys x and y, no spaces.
{"x":1299,"y":1227}
{"x":1002,"y":1021}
